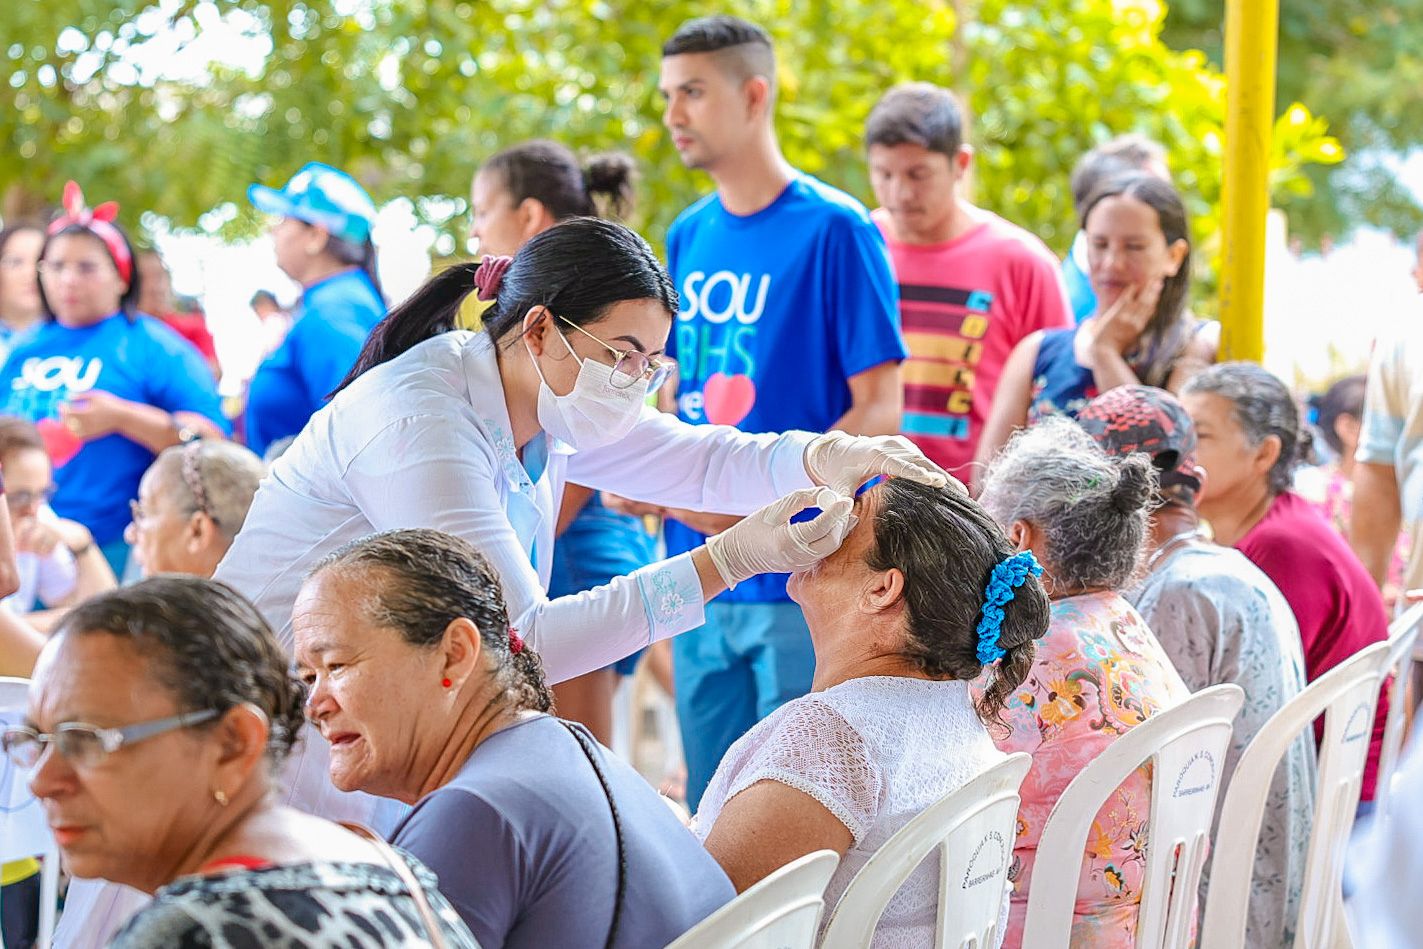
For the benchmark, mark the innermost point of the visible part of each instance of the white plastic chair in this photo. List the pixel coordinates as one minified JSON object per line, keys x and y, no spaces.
{"x":973,"y":830}
{"x":1402,"y":633}
{"x":1347,"y":696}
{"x":781,"y":912}
{"x":1186,"y":745}
{"x":13,"y":695}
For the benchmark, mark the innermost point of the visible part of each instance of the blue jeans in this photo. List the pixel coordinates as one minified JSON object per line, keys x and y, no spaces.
{"x":746,"y":662}
{"x":599,"y":545}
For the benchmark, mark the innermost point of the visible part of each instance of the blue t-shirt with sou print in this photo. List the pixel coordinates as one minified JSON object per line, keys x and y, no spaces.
{"x":337,"y":314}
{"x":137,"y":359}
{"x":778,"y":310}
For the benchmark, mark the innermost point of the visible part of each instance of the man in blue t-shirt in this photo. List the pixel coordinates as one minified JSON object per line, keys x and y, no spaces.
{"x":789,"y":320}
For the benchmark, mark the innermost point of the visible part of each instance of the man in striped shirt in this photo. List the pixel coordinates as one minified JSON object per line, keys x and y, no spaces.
{"x":971,"y":284}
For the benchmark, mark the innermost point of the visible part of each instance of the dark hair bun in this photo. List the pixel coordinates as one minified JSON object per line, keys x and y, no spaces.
{"x":611,"y":176}
{"x":1136,"y":484}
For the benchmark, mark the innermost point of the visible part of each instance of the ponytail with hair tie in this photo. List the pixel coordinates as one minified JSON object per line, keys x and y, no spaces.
{"x":487,"y":278}
{"x":1003,"y":582}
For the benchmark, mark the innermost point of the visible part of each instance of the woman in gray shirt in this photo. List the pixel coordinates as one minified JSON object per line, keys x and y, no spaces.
{"x":539,"y":836}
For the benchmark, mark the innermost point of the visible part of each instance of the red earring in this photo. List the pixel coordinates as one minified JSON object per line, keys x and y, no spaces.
{"x":446,"y":683}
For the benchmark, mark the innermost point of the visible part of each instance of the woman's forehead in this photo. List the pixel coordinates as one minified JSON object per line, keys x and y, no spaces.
{"x":77,"y":244}
{"x":95,"y":677}
{"x":330,"y":609}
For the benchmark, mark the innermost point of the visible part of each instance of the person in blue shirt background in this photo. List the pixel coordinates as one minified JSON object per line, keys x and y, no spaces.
{"x":1124,"y":153}
{"x":323,"y":242}
{"x":789,"y":320}
{"x":20,"y":308}
{"x":107,"y":386}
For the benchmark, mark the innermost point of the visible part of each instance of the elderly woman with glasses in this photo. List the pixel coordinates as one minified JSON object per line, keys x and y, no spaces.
{"x":539,"y":835}
{"x":191,"y":503}
{"x":1099,"y":671}
{"x":157,"y":717}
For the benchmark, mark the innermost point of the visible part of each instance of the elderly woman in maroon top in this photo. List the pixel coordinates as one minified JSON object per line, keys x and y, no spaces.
{"x":1249,"y":440}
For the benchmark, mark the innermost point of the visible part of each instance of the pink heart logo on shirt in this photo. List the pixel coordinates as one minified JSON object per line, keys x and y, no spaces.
{"x":59,"y":442}
{"x":728,"y":399}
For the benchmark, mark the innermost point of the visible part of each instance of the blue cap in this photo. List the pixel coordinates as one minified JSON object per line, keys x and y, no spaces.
{"x":320,"y":194}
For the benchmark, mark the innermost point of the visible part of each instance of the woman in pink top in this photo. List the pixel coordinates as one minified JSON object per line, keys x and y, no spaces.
{"x":1249,"y":440}
{"x":1099,"y":671}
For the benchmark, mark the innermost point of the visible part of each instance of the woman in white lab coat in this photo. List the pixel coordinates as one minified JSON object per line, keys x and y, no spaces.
{"x":474,"y":433}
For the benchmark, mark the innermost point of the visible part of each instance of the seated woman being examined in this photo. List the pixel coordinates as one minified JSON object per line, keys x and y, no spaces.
{"x":1099,"y":671}
{"x":157,"y":716}
{"x":540,"y":836}
{"x":925,"y":596}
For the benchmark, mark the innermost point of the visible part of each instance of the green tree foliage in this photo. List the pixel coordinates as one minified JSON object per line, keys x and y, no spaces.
{"x":1360,"y":62}
{"x":409,"y":95}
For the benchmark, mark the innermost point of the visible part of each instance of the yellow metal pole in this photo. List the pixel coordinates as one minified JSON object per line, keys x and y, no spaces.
{"x":1251,"y":38}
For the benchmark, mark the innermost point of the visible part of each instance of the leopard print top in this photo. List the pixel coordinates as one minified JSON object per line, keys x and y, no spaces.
{"x":293,"y":906}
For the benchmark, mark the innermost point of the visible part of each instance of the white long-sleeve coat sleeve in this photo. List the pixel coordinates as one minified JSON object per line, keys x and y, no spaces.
{"x":420,"y":473}
{"x":716,"y":468}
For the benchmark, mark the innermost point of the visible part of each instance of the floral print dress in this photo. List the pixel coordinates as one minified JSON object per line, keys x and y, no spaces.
{"x":1099,"y":672}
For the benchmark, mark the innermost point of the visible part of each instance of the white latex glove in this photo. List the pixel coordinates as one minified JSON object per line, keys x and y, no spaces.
{"x":844,"y":462}
{"x":766,"y":542}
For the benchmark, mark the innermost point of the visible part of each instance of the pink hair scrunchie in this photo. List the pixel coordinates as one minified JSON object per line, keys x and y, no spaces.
{"x":516,"y":645}
{"x":489,"y":275}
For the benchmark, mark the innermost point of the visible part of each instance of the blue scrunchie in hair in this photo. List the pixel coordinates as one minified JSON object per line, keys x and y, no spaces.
{"x":1005,"y":578}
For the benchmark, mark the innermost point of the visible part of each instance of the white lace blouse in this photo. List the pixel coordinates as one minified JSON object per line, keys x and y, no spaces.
{"x":874,"y":751}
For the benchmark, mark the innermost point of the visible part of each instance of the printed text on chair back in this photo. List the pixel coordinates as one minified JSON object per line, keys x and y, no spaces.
{"x":1347,"y":696}
{"x":972,"y":832}
{"x":1186,"y":745}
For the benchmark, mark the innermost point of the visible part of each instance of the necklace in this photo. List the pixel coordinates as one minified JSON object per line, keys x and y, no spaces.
{"x":1176,"y":540}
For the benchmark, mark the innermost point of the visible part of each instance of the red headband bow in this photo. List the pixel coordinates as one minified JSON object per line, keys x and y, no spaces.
{"x":99,"y":222}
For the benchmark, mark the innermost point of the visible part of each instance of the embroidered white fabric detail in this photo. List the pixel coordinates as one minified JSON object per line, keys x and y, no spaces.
{"x":875,"y":751}
{"x":672,"y":596}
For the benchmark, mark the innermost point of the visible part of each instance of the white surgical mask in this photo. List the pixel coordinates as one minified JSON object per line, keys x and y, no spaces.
{"x":596,"y":412}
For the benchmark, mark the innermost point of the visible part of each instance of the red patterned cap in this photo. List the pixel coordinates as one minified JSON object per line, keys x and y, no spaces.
{"x":1131,"y":419}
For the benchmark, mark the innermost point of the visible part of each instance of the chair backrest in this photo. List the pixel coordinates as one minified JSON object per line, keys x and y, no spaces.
{"x":1402,"y":633}
{"x":973,"y":830}
{"x":1186,"y":745}
{"x":1347,"y":696}
{"x":14,"y":693}
{"x":781,"y":912}
{"x":27,"y":830}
